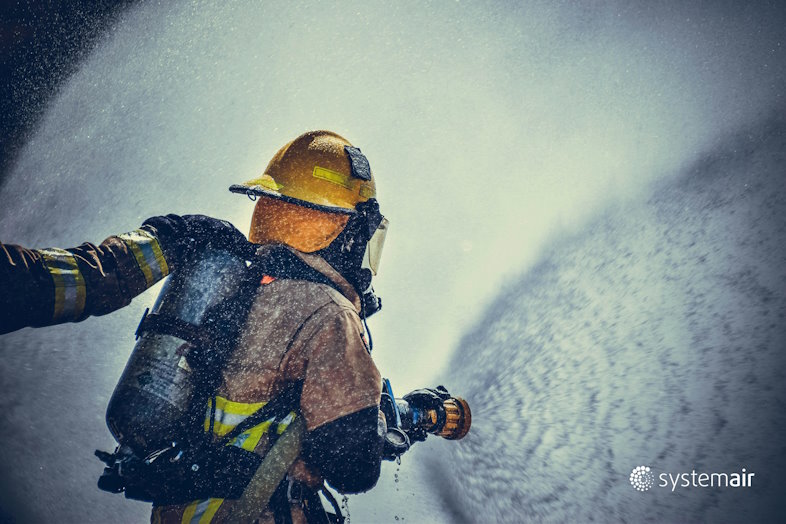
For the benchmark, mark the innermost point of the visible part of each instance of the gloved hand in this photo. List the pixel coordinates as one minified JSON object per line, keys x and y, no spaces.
{"x":426,"y":399}
{"x":182,"y":236}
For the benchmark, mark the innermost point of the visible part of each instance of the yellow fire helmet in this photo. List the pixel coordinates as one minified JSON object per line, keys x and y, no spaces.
{"x":310,"y":190}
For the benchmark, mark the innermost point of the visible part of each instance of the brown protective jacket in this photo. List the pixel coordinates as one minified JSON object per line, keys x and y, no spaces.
{"x":296,"y":331}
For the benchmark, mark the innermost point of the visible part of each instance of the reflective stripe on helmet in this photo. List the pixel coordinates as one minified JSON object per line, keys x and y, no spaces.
{"x":332,"y":176}
{"x":147,"y":253}
{"x":69,"y":284}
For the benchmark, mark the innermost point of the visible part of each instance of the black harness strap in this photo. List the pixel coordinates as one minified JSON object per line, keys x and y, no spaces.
{"x":213,"y":403}
{"x":175,"y":327}
{"x":279,"y":504}
{"x":337,"y":517}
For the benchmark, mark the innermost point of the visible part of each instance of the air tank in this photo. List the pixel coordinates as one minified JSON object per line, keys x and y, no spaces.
{"x":151,"y":406}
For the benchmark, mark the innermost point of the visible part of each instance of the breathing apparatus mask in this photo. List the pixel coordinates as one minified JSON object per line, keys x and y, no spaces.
{"x":357,"y":251}
{"x":367,"y":226}
{"x":377,"y":229}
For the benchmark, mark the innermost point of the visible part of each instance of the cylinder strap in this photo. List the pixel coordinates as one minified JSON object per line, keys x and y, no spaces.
{"x":270,"y":473}
{"x":175,"y":327}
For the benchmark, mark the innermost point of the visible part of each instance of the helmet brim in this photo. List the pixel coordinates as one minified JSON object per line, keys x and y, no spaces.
{"x":259,"y":191}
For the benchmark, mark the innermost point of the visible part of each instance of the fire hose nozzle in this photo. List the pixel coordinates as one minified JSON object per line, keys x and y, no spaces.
{"x":450,"y":421}
{"x":419,"y":413}
{"x":458,"y":419}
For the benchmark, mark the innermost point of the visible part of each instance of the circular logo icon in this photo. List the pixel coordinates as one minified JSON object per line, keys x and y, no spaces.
{"x":642,"y":478}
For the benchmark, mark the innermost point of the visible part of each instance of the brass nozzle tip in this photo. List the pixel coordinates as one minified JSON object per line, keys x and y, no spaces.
{"x":458,"y":419}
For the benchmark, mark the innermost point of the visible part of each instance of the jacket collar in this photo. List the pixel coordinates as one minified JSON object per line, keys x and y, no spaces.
{"x":320,"y":265}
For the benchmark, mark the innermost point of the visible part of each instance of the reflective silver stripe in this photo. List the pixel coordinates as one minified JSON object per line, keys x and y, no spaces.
{"x":69,"y":284}
{"x":148,"y":254}
{"x":152,"y":260}
{"x":199,"y":511}
{"x":233,"y":419}
{"x":240,"y":440}
{"x":229,"y":419}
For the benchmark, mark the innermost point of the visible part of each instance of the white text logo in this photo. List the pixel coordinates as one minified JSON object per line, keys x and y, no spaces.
{"x":642,"y":478}
{"x":706,"y":480}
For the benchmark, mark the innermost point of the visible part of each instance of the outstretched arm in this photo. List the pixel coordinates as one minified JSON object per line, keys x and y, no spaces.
{"x":41,"y":287}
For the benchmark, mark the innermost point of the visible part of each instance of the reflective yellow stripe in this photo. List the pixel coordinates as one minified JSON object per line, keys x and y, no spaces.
{"x":249,"y":439}
{"x":222,"y":429}
{"x":201,"y":511}
{"x":229,"y":414}
{"x":148,"y":255}
{"x":210,"y":512}
{"x":69,"y":284}
{"x":188,"y":513}
{"x":237,"y":408}
{"x":285,"y":422}
{"x":332,"y":176}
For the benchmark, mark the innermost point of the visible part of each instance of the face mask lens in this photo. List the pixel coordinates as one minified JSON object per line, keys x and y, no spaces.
{"x":375,"y":245}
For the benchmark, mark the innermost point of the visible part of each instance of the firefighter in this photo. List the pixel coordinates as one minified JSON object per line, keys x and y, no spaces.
{"x":316,"y":201}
